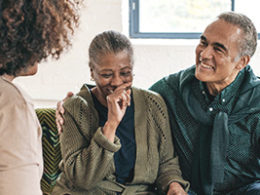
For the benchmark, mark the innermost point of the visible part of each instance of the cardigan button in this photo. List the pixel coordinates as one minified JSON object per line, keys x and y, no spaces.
{"x":210,"y":109}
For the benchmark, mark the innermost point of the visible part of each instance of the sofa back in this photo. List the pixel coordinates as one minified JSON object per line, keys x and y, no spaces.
{"x":51,"y":148}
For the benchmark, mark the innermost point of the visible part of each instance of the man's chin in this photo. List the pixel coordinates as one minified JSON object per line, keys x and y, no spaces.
{"x":202,"y":77}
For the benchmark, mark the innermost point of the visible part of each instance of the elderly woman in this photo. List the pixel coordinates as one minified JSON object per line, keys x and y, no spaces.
{"x":30,"y":32}
{"x":116,"y":138}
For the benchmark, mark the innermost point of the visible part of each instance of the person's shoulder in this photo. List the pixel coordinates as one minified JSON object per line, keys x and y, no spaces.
{"x":173,"y":80}
{"x":78,"y":101}
{"x":10,"y":94}
{"x":149,"y":95}
{"x":145,"y":92}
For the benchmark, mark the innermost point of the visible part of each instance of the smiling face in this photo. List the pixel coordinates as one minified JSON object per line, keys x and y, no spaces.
{"x":217,"y":56}
{"x":112,"y":71}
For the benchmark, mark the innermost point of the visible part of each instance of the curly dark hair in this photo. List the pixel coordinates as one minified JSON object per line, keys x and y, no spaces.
{"x":32,"y":30}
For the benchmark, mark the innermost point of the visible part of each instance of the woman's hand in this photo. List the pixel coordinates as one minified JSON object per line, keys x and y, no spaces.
{"x":60,"y":111}
{"x":117,"y":103}
{"x":176,"y":189}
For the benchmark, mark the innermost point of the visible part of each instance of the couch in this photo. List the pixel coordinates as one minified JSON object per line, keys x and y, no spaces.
{"x":51,"y":148}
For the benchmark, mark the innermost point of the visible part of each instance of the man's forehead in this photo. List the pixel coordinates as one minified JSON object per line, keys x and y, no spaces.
{"x":221,"y":26}
{"x":222,"y":31}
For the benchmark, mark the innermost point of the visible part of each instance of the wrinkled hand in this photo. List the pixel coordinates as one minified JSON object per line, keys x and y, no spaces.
{"x":117,"y":103}
{"x":176,"y":189}
{"x":60,"y":111}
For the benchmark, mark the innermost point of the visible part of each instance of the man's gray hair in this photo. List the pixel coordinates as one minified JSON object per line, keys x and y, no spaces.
{"x":248,"y":42}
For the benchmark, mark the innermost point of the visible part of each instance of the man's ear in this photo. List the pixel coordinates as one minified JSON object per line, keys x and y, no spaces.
{"x":243,"y":61}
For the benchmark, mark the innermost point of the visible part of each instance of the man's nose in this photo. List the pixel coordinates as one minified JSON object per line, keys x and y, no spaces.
{"x":206,"y":53}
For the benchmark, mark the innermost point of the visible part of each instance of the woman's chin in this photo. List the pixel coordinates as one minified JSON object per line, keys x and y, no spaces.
{"x":32,"y":70}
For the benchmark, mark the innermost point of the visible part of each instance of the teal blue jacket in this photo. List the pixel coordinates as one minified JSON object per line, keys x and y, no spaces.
{"x":216,"y":138}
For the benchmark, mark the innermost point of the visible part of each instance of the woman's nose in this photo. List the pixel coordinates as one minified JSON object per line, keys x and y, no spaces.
{"x":116,"y":80}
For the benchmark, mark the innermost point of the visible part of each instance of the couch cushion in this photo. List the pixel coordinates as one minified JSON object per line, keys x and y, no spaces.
{"x":51,"y":148}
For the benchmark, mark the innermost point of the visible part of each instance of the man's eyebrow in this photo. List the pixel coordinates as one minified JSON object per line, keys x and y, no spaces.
{"x":220,"y":45}
{"x":202,"y":37}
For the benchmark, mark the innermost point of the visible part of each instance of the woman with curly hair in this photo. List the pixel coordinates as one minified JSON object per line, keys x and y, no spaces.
{"x":30,"y":31}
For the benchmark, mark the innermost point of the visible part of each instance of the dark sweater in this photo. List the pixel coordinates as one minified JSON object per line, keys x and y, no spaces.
{"x":124,"y":158}
{"x":217,"y":140}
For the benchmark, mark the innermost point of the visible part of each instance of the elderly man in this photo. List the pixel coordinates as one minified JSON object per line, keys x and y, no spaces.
{"x":214,"y":109}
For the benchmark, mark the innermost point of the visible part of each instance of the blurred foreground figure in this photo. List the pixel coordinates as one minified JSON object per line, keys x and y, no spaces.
{"x":30,"y":31}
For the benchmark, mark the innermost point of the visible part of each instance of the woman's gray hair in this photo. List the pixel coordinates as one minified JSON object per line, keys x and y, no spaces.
{"x":248,"y":42}
{"x":109,"y":42}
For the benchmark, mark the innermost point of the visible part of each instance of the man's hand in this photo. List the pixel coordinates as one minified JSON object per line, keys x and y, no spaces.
{"x":60,"y":111}
{"x":176,"y":189}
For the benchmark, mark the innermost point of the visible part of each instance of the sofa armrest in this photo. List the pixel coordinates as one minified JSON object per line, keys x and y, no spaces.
{"x":51,"y":148}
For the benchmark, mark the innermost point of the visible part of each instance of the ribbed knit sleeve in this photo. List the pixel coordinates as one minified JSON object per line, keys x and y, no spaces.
{"x":87,"y":154}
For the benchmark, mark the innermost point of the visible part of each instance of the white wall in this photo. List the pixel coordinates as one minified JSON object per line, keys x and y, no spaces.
{"x":153,"y":58}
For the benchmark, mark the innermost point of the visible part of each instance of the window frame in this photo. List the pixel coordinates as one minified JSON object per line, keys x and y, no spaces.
{"x":134,"y":31}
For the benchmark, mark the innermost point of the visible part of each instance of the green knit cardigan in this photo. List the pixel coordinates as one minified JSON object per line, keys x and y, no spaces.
{"x":88,"y":163}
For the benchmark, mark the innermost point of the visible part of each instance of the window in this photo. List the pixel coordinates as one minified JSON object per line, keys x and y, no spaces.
{"x":183,"y":19}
